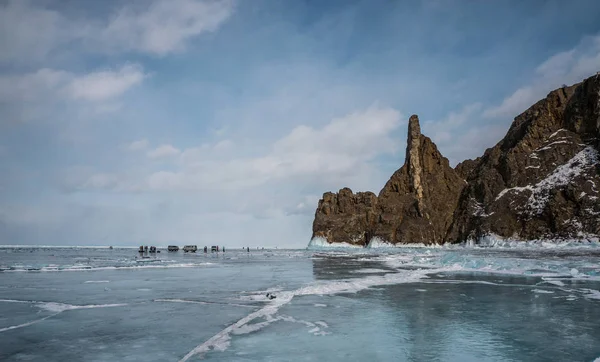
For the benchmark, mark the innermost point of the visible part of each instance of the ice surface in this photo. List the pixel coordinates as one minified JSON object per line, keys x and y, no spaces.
{"x":372,"y":304}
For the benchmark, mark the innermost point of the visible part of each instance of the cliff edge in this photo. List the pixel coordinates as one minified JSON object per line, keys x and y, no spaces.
{"x":541,"y":181}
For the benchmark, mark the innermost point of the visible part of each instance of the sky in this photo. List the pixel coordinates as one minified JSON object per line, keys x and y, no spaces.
{"x":223,"y":122}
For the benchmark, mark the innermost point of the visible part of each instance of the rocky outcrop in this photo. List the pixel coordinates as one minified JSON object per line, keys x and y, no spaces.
{"x":345,"y":217}
{"x":464,"y":168}
{"x":542,"y":180}
{"x":417,"y":203}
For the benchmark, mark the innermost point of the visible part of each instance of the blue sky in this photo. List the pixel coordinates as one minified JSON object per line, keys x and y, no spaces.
{"x":223,"y":121}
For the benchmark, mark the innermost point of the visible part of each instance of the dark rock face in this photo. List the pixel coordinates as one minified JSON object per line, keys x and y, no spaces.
{"x":542,"y":180}
{"x":345,"y":217}
{"x":417,"y":203}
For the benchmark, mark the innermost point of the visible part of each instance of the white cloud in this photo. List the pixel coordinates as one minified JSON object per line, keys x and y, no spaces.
{"x":105,"y":84}
{"x":566,"y":67}
{"x":340,"y":151}
{"x":138,"y":145}
{"x":31,"y":31}
{"x":32,"y":95}
{"x":50,"y":84}
{"x":165,"y":25}
{"x":32,"y":86}
{"x":163,"y":151}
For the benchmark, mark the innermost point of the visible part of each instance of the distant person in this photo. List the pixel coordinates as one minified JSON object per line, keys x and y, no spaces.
{"x":223,"y":249}
{"x":248,"y":249}
{"x":205,"y":249}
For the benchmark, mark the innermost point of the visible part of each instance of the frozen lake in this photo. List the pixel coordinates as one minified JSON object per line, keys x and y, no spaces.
{"x":404,"y":304}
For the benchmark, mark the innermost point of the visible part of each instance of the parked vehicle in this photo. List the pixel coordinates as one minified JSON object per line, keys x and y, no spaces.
{"x":190,"y":248}
{"x":173,"y":248}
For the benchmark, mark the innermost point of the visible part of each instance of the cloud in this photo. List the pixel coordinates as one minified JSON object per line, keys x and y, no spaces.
{"x":32,"y":86}
{"x":566,"y":67}
{"x":163,"y":151}
{"x":138,"y":145}
{"x":31,"y":32}
{"x":339,"y":151}
{"x":46,"y":84}
{"x":32,"y":95}
{"x":164,"y":26}
{"x":106,"y":84}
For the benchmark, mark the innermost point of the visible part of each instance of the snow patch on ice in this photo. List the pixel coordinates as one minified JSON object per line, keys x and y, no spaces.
{"x":370,"y":271}
{"x":320,"y":305}
{"x":492,"y":240}
{"x":61,"y":307}
{"x":553,"y":282}
{"x":96,"y":281}
{"x":541,"y":291}
{"x":26,"y":324}
{"x":591,"y":293}
{"x":54,"y":307}
{"x":377,"y":242}
{"x":322,"y":243}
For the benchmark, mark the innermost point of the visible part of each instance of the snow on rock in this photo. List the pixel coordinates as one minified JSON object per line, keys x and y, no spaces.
{"x":555,"y":133}
{"x":549,"y":146}
{"x":479,"y":209}
{"x":560,"y":177}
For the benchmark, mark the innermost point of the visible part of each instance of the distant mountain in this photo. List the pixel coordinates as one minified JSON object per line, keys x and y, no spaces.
{"x":541,"y":181}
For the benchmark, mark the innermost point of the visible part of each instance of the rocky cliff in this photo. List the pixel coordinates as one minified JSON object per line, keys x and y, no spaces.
{"x":418,"y":202}
{"x":542,"y":180}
